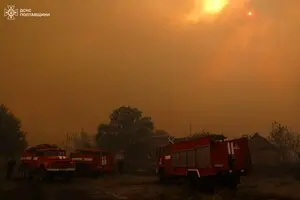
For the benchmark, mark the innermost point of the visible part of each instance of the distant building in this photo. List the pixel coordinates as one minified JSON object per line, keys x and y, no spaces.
{"x":160,"y":140}
{"x":263,"y":152}
{"x":74,"y":141}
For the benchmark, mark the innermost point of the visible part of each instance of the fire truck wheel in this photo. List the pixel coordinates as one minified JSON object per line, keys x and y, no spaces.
{"x":192,"y":180}
{"x":234,"y":182}
{"x":161,"y":175}
{"x":42,"y":174}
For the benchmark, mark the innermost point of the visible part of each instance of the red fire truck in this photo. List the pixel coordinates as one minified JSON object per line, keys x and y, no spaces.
{"x":205,"y":160}
{"x":94,"y":162}
{"x":46,"y":162}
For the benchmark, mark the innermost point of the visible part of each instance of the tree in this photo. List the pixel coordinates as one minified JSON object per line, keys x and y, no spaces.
{"x":284,"y":137}
{"x":127,"y":130}
{"x":12,"y":138}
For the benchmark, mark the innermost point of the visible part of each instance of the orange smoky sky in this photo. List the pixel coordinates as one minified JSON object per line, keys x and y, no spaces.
{"x":227,"y":72}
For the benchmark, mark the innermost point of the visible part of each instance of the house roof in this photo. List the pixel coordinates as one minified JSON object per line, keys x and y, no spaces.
{"x":160,"y":140}
{"x":268,"y":145}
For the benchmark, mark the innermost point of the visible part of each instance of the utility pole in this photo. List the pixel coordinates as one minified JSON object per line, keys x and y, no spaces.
{"x":190,"y":129}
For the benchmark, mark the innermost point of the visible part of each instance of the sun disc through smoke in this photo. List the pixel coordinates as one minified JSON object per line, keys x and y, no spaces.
{"x":214,"y":6}
{"x":205,"y":9}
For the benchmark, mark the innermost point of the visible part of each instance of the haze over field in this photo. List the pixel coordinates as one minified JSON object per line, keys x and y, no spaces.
{"x":181,"y":62}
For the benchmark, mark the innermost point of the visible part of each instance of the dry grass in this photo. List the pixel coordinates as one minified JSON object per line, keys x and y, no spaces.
{"x":254,"y":187}
{"x":281,"y":182}
{"x":285,"y":187}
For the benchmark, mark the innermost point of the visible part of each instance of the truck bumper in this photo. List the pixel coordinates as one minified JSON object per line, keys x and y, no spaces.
{"x":60,"y":170}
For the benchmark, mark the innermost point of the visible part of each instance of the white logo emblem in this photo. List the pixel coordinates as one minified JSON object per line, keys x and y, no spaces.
{"x":10,"y":12}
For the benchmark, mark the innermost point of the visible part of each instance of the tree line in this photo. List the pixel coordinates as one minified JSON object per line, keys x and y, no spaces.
{"x":128,"y":130}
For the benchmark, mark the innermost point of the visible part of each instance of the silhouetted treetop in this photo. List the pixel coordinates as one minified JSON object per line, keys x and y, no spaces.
{"x":283,"y":137}
{"x":12,"y":138}
{"x":127,"y":128}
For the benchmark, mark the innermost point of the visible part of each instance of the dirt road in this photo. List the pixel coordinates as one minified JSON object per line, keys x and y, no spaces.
{"x":133,"y":188}
{"x":108,"y":188}
{"x":34,"y":190}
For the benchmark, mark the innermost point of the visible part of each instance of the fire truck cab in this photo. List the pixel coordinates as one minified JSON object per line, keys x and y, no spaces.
{"x":94,"y":162}
{"x":46,"y":161}
{"x":205,"y":160}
